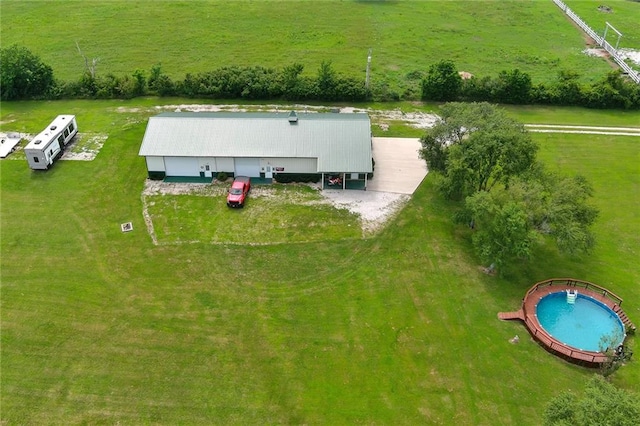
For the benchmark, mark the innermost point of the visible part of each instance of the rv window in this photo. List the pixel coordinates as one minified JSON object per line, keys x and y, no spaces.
{"x":50,"y":152}
{"x":66,"y":132}
{"x":71,"y":127}
{"x":36,"y":160}
{"x":61,"y":139}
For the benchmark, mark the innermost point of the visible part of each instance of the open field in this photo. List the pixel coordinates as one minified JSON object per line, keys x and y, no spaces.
{"x":623,"y":15}
{"x":481,"y":37}
{"x":100,"y":326}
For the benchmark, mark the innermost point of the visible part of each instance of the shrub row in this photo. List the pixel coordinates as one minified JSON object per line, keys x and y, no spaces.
{"x":443,"y":83}
{"x":24,"y":76}
{"x":251,"y":83}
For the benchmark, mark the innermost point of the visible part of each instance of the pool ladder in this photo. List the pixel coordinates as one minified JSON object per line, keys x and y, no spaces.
{"x":571,"y":296}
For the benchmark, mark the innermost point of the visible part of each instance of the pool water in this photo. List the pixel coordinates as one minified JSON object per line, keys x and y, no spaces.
{"x":581,"y":325}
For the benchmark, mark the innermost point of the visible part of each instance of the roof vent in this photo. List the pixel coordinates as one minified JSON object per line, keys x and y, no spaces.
{"x":38,"y":142}
{"x":293,"y":117}
{"x":53,"y":127}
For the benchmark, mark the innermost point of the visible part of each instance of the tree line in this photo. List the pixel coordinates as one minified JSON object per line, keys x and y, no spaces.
{"x":25,"y":76}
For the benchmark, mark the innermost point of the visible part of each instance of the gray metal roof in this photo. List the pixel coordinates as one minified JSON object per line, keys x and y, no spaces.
{"x":340,"y":142}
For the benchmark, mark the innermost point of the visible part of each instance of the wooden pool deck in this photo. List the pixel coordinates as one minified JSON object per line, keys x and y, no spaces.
{"x":527,"y":314}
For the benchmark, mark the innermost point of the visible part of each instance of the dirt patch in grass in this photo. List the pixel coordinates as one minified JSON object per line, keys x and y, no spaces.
{"x":630,"y":55}
{"x":84,"y":147}
{"x":420,"y":120}
{"x":596,"y":52}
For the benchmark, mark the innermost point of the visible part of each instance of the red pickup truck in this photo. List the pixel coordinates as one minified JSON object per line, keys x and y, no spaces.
{"x":238,"y":192}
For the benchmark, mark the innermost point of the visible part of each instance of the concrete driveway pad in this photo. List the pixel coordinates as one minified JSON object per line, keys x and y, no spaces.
{"x":399,"y":169}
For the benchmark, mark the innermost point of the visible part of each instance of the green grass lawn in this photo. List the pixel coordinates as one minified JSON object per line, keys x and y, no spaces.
{"x":277,"y":214}
{"x":104,"y":327}
{"x":601,"y":164}
{"x":481,"y":37}
{"x":623,"y":16}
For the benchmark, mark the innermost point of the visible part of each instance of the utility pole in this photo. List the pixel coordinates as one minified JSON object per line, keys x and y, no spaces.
{"x":366,"y":81}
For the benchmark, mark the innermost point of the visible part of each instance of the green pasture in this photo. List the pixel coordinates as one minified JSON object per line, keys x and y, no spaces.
{"x":406,"y":37}
{"x":104,"y":327}
{"x":623,"y":15}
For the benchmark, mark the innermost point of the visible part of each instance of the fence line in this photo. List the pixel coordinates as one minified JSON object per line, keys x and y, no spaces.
{"x":577,"y":283}
{"x":633,"y":74}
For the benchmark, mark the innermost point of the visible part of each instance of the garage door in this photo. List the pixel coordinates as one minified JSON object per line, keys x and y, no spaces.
{"x":247,"y":167}
{"x":181,"y":166}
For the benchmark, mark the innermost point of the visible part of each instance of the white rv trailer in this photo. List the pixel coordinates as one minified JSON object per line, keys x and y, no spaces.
{"x":49,"y":144}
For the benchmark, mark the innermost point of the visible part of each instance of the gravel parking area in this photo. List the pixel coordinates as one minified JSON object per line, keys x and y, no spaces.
{"x":374,"y":208}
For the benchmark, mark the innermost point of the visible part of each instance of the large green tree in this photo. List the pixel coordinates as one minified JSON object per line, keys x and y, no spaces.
{"x":442,"y":83}
{"x":502,"y":229}
{"x":514,"y":87}
{"x":601,"y":404}
{"x":560,"y":207}
{"x":23,"y":75}
{"x":476,"y":146}
{"x":488,"y":160}
{"x":509,"y":222}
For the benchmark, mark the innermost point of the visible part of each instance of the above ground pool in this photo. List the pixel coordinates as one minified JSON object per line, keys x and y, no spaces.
{"x":581,"y":324}
{"x":570,"y":317}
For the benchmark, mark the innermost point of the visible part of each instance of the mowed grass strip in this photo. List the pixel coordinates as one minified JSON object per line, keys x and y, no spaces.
{"x":272,"y":215}
{"x":574,"y":116}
